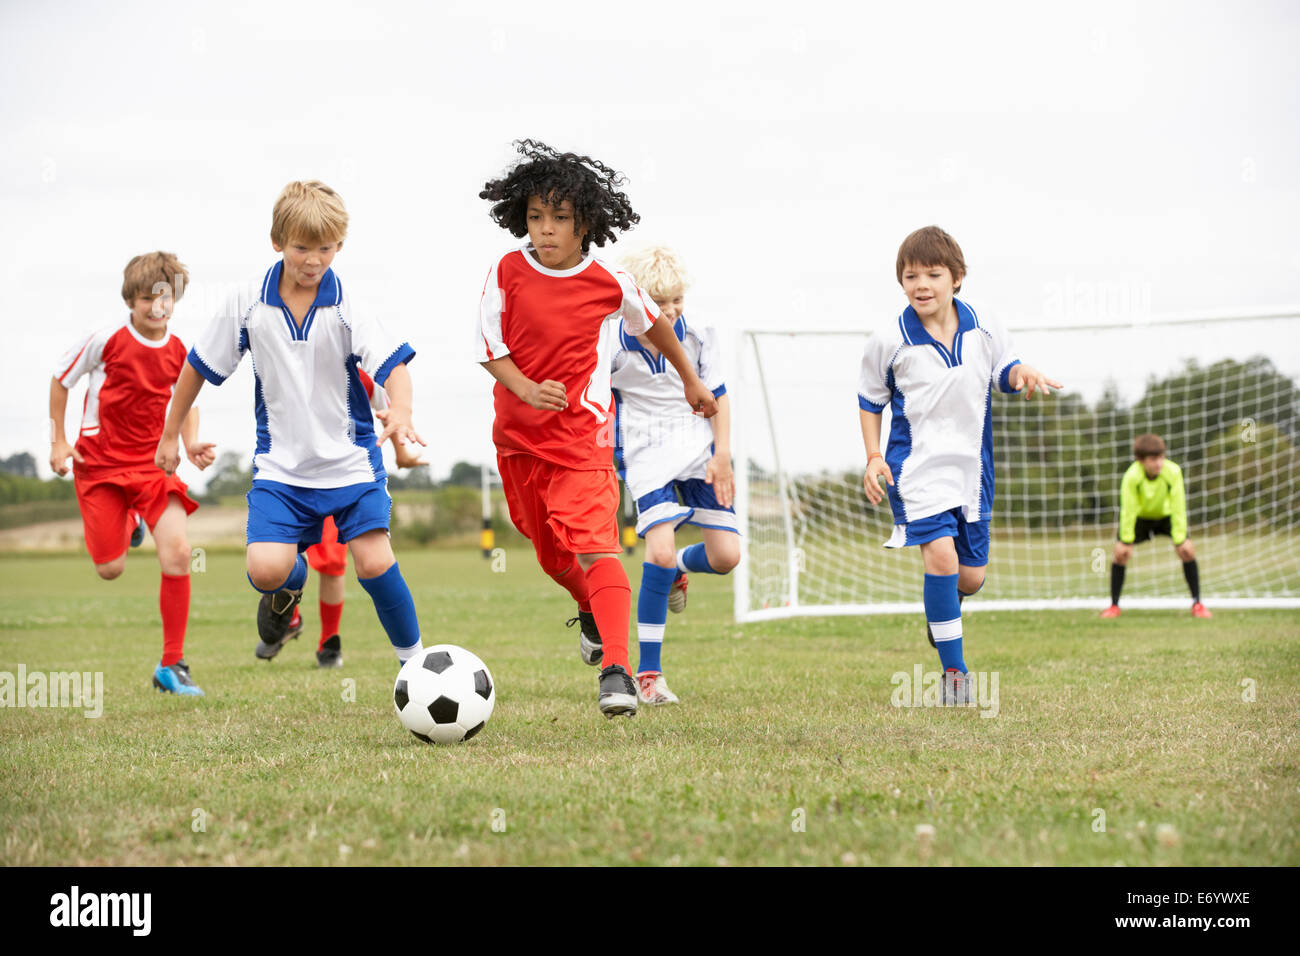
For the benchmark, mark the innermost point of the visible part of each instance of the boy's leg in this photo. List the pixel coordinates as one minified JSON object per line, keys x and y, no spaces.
{"x":942,"y":606}
{"x":657,"y":575}
{"x":378,"y":573}
{"x":329,"y":652}
{"x":163,"y":505}
{"x":103,"y":506}
{"x":1187,"y":554}
{"x":1119,"y":563}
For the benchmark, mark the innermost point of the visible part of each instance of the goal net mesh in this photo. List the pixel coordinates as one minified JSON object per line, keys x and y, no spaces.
{"x":1222,"y":392}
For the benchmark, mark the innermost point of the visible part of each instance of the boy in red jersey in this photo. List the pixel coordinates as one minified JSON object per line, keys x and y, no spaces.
{"x":548,"y":321}
{"x":132,"y":369}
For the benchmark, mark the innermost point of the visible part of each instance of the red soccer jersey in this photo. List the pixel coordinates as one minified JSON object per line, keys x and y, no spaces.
{"x":131,"y":381}
{"x":559,"y":324}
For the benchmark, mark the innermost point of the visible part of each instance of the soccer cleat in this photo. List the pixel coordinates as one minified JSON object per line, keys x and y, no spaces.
{"x":176,"y":679}
{"x":617,"y":692}
{"x":651,"y":688}
{"x":1200,"y":610}
{"x":330,"y":653}
{"x":677,"y":596}
{"x":137,"y":536}
{"x":274,"y":622}
{"x":1113,"y":611}
{"x":589,"y":644}
{"x":958,"y":689}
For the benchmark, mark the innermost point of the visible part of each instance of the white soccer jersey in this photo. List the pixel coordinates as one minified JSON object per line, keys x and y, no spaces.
{"x":314,"y":424}
{"x":657,"y":437}
{"x":940,"y":449}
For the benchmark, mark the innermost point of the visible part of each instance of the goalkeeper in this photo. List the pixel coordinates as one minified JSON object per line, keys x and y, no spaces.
{"x":1152,"y":501}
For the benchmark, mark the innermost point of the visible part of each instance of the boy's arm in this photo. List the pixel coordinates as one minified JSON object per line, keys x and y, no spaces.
{"x":183,"y":395}
{"x":1128,"y":507}
{"x":547,"y":396}
{"x":200,"y":454}
{"x":60,"y":450}
{"x":718,"y":471}
{"x":397,"y":423}
{"x":1178,"y":510}
{"x":876,"y":465}
{"x":698,"y":395}
{"x":1027,"y":378}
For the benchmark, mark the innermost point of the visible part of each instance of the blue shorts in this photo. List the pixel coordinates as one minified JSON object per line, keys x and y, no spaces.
{"x":699,"y":506}
{"x":293,"y":515}
{"x":971,"y":539}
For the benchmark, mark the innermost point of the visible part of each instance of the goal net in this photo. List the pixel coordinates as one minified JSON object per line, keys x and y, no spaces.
{"x":1220,"y":389}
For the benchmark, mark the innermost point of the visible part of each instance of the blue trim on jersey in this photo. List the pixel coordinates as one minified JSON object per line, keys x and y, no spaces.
{"x":620,"y":466}
{"x":329,"y":293}
{"x":914,"y":332}
{"x":403,"y":355}
{"x":363,"y":421}
{"x":986,"y":459}
{"x":720,"y":391}
{"x":658,"y":364}
{"x":244,"y":344}
{"x":263,"y":424}
{"x":900,"y":446}
{"x":867,"y":406}
{"x":202,"y":368}
{"x":1004,"y":380}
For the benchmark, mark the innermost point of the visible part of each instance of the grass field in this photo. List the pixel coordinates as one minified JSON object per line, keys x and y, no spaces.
{"x":785,"y":750}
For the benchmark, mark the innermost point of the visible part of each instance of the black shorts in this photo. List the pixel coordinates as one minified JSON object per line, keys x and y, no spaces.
{"x":1148,"y":528}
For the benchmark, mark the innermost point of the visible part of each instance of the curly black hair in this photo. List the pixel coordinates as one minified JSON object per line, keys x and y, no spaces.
{"x":587,"y":183}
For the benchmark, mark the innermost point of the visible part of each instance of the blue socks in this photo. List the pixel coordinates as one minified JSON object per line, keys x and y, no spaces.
{"x":943,"y":614}
{"x":695,"y":559}
{"x":294,"y":582}
{"x":652,"y":614}
{"x":396,"y":611}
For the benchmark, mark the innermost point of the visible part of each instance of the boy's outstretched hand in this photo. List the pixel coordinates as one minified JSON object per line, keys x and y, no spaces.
{"x":718,"y":473}
{"x":397,"y":426}
{"x":1026,"y":378}
{"x":701,"y":399}
{"x":871,"y":480}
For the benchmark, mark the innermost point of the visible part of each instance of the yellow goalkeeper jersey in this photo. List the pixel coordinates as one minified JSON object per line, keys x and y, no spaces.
{"x":1159,"y":497}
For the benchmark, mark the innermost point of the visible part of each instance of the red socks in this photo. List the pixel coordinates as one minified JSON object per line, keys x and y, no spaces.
{"x":611,"y":603}
{"x":575,"y":582}
{"x":174,"y":603}
{"x":330,"y":616}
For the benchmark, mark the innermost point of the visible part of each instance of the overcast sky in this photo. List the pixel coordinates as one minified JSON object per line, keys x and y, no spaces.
{"x":1110,"y":162}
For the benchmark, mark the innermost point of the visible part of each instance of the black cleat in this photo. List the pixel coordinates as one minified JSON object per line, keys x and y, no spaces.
{"x":274,"y":620}
{"x":617,"y":692}
{"x":330,"y":653}
{"x":589,"y":644}
{"x":137,"y":536}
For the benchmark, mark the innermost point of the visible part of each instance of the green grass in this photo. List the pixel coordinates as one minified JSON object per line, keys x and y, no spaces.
{"x":1142,"y":718}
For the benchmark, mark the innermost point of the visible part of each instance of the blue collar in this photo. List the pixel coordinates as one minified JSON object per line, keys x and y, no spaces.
{"x":328,"y":293}
{"x":916,"y":334}
{"x":657,"y":363}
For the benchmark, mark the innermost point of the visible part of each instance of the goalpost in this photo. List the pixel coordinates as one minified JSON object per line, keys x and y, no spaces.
{"x":1222,"y":390}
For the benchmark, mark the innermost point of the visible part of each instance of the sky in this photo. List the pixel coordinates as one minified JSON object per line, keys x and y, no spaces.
{"x":1107,"y":163}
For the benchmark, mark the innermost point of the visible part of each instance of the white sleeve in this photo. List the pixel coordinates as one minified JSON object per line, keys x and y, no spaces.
{"x":638,"y":309}
{"x":489,"y":343}
{"x":82,"y":358}
{"x":220,"y":347}
{"x":709,"y":366}
{"x":377,"y":350}
{"x":1004,"y":354}
{"x":874,"y":386}
{"x":378,"y":398}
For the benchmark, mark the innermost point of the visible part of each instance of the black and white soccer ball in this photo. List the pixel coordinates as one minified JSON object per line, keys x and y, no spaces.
{"x":444,"y":694}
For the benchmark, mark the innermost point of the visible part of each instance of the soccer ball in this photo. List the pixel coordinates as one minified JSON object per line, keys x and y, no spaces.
{"x":444,"y":694}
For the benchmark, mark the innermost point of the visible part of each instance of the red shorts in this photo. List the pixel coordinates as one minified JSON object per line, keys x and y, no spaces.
{"x":329,"y":557}
{"x":563,"y":512}
{"x":106,"y":497}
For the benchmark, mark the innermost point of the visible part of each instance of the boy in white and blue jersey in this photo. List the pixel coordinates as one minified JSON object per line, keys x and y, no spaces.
{"x":935,"y":367}
{"x":317,"y":451}
{"x":677,"y":466}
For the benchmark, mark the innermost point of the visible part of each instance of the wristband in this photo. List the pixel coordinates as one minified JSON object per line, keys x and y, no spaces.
{"x":874,"y":454}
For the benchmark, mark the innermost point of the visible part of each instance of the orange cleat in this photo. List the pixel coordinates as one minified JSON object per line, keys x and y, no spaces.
{"x":1112,"y":611}
{"x":1200,"y":610}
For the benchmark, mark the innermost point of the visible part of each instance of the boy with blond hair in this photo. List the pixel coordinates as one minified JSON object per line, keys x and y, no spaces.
{"x":677,"y":468}
{"x":1153,"y":501}
{"x":133,"y":368}
{"x":935,"y":367}
{"x":317,"y":452}
{"x":546,"y":333}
